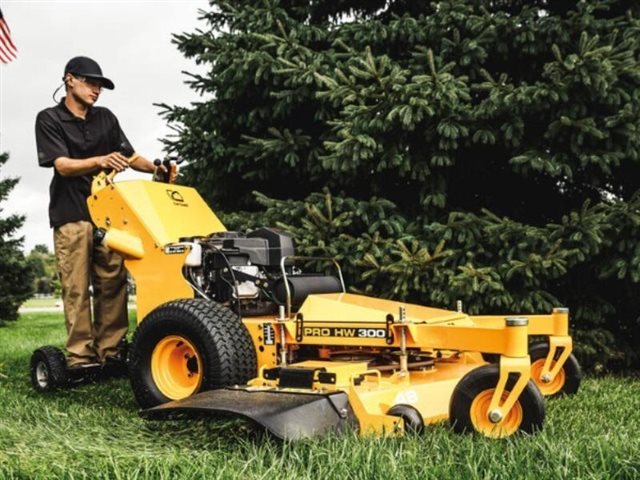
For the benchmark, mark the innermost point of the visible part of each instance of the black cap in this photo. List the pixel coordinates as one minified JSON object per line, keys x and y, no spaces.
{"x":86,"y":67}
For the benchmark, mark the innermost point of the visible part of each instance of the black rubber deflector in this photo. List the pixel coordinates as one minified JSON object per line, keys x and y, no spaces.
{"x":287,"y":415}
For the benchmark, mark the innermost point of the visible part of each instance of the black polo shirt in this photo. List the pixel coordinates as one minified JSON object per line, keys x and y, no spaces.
{"x":59,"y":133}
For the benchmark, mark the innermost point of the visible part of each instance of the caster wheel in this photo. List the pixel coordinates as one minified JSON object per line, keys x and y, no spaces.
{"x":469,"y":406}
{"x":48,"y":369}
{"x":413,"y":422}
{"x":566,"y":382}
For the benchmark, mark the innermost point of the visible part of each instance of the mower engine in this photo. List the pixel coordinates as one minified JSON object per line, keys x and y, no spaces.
{"x":232,"y":268}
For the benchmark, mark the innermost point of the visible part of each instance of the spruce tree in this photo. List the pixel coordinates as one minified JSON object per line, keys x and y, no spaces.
{"x":479,"y":150}
{"x":15,"y":275}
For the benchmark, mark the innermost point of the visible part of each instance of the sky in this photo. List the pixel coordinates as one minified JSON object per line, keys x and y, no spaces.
{"x":130,"y":39}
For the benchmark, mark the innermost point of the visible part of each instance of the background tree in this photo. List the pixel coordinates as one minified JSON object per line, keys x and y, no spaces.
{"x":15,"y":275}
{"x":473,"y":149}
{"x":43,"y":265}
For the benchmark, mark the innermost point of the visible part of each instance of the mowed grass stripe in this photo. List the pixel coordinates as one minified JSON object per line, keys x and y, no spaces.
{"x":94,"y":432}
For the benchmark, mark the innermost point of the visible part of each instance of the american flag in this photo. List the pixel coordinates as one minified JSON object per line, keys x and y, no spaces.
{"x":8,"y":50}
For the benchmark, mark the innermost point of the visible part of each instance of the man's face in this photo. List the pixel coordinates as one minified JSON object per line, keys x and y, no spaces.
{"x":86,"y":90}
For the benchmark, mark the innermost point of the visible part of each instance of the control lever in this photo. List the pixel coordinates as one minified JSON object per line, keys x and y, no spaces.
{"x":170,"y":172}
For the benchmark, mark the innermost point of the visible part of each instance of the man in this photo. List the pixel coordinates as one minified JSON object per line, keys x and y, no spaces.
{"x":79,"y":140}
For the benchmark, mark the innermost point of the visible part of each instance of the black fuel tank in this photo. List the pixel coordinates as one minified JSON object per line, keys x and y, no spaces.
{"x":303,"y":285}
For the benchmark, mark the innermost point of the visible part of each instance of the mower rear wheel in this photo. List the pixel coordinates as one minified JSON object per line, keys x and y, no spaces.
{"x":469,"y":405}
{"x":48,"y":369}
{"x":413,"y":422}
{"x":567,"y":381}
{"x":188,"y":346}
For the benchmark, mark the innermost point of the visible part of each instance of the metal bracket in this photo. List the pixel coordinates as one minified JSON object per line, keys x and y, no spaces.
{"x":389,"y":330}
{"x":327,"y":378}
{"x":296,"y":257}
{"x":270,"y":373}
{"x":299,"y":327}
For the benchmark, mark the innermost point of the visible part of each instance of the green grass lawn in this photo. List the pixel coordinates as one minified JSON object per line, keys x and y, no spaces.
{"x":94,"y":432}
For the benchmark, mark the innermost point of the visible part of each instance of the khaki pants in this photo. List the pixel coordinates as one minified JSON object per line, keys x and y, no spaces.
{"x":81,"y":264}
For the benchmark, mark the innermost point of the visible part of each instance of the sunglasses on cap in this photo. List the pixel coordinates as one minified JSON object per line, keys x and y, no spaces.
{"x":91,"y":82}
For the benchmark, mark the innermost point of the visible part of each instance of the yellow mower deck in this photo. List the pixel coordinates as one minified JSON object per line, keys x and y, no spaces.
{"x":360,"y":397}
{"x":366,"y":324}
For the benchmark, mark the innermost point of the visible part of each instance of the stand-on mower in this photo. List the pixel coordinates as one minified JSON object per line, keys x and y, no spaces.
{"x":229,"y":324}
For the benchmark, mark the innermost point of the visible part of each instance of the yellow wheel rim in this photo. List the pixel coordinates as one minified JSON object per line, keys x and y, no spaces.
{"x":176,"y":367}
{"x":552,"y":387}
{"x":480,"y":416}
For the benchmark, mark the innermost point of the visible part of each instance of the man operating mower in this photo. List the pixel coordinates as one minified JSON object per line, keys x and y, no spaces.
{"x":79,"y":139}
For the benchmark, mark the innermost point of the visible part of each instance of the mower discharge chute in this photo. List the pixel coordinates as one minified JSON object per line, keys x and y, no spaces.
{"x":305,"y":357}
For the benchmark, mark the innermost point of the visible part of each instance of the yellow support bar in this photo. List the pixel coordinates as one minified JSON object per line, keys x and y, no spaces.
{"x":566,"y":344}
{"x":498,"y":409}
{"x":518,"y":364}
{"x":556,"y":323}
{"x":506,"y":340}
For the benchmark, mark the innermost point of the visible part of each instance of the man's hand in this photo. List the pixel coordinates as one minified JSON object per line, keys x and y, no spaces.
{"x":115,"y":161}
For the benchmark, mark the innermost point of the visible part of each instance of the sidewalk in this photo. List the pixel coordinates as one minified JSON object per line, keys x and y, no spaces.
{"x":39,"y":309}
{"x":130,"y":306}
{"x":51,"y":304}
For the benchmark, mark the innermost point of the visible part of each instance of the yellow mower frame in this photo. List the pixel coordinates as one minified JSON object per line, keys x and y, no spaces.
{"x":145,"y":222}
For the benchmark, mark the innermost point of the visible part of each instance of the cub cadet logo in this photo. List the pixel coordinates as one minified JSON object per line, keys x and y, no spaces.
{"x":344,"y":332}
{"x":177,"y":198}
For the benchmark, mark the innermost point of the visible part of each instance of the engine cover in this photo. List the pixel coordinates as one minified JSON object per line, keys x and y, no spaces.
{"x":279,"y":244}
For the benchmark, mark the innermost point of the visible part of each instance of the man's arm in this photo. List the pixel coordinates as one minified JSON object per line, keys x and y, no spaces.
{"x":141,"y":164}
{"x":68,"y":167}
